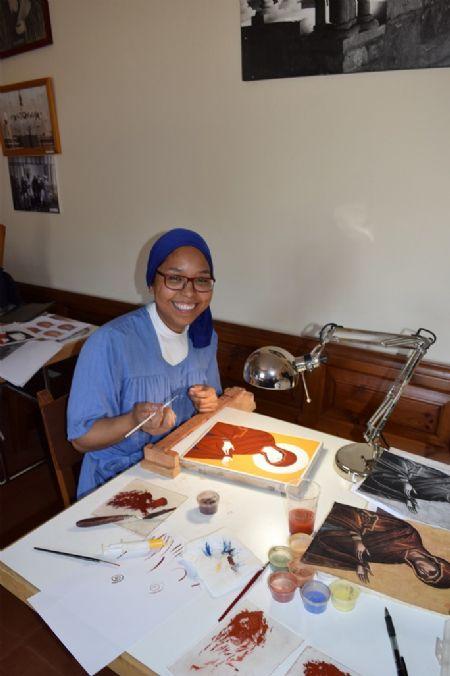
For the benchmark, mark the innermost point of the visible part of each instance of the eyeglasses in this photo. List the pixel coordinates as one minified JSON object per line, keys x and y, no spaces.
{"x":178,"y":282}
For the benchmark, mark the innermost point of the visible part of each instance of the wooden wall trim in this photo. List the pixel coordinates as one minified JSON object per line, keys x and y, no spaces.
{"x":345,"y":392}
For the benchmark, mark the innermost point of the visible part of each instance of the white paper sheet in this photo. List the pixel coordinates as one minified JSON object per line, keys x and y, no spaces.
{"x":309,"y":657}
{"x":19,"y":366}
{"x":220,"y":561}
{"x":104,"y":610}
{"x":248,"y":641}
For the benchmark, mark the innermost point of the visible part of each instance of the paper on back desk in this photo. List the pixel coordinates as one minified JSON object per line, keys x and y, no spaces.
{"x":21,"y":365}
{"x":97,"y":618}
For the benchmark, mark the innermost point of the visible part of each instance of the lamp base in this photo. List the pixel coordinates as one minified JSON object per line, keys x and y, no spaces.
{"x":354,"y":461}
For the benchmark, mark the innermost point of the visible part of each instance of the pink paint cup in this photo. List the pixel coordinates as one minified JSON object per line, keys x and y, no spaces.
{"x":282,"y":586}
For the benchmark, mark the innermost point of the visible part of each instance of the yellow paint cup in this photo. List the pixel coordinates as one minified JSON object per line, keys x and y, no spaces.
{"x":343,"y":595}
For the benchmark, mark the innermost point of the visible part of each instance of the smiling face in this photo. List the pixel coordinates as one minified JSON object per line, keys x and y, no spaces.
{"x":178,"y":309}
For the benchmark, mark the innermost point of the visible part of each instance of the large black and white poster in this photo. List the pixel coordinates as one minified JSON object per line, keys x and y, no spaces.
{"x":291,"y":38}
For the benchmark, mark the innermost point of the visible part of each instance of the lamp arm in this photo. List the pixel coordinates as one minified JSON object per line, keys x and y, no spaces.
{"x":418,"y":343}
{"x":378,"y":420}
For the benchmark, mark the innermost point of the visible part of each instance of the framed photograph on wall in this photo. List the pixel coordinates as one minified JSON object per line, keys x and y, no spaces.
{"x":28,"y":123}
{"x":34,"y":185}
{"x":24,"y":25}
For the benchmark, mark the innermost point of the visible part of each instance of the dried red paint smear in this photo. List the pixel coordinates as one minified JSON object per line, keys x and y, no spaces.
{"x":237,"y":640}
{"x":141,"y":501}
{"x":316,"y":668}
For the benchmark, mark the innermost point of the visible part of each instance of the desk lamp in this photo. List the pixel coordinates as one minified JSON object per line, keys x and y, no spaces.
{"x":274,"y":368}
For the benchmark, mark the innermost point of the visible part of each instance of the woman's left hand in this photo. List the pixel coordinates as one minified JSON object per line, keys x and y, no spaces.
{"x":204,"y":398}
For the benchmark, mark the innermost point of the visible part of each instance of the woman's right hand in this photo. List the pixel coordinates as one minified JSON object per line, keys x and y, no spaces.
{"x":162,"y":420}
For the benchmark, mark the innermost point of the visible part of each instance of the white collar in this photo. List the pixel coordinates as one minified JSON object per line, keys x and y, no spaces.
{"x":160,"y":327}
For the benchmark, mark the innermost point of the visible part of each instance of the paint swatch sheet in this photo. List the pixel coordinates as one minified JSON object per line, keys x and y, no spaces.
{"x":138,"y":499}
{"x":247,"y":641}
{"x":220,"y":561}
{"x":311,"y":662}
{"x":106,"y":609}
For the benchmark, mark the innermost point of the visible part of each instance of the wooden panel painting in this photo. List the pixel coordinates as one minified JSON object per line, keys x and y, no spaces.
{"x":402,"y":559}
{"x":411,"y":488}
{"x":311,"y":662}
{"x":253,"y":454}
{"x":138,"y":499}
{"x":249,"y":642}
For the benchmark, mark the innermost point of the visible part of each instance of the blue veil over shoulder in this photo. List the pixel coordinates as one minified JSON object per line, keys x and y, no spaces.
{"x":200,"y":331}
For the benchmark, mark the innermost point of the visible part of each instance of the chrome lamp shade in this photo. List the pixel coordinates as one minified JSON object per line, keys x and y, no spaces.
{"x":271,"y":368}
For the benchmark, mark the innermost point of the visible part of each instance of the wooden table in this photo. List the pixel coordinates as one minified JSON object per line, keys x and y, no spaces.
{"x":257,"y":517}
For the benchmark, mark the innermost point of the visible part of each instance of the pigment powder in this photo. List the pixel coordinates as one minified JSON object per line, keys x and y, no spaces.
{"x":238,"y":639}
{"x":141,"y":501}
{"x":316,"y":668}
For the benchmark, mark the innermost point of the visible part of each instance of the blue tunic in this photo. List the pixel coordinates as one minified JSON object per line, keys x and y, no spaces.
{"x":120,"y":365}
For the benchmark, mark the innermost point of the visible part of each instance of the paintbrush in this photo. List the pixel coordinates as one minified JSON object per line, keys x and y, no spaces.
{"x":100,"y":520}
{"x":152,"y":415}
{"x":85,"y":557}
{"x":244,"y":590}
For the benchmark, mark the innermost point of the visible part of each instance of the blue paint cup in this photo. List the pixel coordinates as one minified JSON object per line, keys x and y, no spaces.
{"x":315,"y":596}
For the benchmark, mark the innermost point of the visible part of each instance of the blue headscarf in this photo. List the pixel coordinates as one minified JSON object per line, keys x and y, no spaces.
{"x":200,"y":331}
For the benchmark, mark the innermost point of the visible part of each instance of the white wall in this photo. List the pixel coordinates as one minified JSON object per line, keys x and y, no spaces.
{"x":322,"y":198}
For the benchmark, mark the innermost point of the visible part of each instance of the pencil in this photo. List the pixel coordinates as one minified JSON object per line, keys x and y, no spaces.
{"x":244,"y":591}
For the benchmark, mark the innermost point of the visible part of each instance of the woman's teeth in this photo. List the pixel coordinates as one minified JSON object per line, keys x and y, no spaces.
{"x":183,"y":307}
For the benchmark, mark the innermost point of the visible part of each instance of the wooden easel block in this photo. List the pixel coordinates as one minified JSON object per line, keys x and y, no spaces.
{"x":161,"y":459}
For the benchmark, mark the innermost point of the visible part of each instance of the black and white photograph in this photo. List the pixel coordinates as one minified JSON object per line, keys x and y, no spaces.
{"x":24,"y":25}
{"x":416,"y":490}
{"x":33,"y":184}
{"x":28,"y":121}
{"x":293,"y":38}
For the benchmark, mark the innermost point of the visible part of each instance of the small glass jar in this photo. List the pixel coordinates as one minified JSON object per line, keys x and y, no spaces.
{"x":208,"y":502}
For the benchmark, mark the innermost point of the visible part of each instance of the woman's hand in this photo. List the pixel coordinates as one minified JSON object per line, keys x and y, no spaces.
{"x":204,"y":398}
{"x":162,"y":420}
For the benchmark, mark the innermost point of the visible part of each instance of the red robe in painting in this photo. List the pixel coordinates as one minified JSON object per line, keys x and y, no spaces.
{"x":245,"y":441}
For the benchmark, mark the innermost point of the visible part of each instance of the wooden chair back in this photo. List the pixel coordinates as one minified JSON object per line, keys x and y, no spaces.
{"x":66,"y":460}
{"x":2,"y":243}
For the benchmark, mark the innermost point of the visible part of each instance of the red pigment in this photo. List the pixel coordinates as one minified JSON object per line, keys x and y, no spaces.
{"x":301,"y":521}
{"x":141,"y":501}
{"x":238,"y":639}
{"x":316,"y":668}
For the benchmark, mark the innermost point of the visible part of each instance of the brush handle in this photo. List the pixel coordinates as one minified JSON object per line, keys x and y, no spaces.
{"x":99,"y":520}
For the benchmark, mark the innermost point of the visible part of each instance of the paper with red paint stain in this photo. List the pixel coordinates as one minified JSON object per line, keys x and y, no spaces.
{"x":312,"y":662}
{"x":139,"y":498}
{"x":248,"y":641}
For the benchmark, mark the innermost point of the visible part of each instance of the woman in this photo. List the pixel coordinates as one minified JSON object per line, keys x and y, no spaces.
{"x":130,"y":366}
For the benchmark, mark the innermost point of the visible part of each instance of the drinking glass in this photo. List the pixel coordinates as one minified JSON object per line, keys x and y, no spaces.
{"x":302,"y":502}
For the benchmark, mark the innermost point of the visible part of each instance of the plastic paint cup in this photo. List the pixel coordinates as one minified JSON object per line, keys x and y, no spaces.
{"x":302,"y":572}
{"x":343,"y":595}
{"x":282,"y":586}
{"x":280,"y":557}
{"x":208,"y":502}
{"x":315,"y":596}
{"x":299,"y":543}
